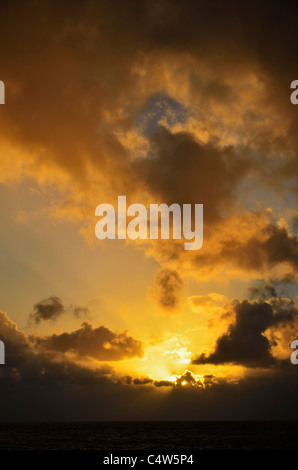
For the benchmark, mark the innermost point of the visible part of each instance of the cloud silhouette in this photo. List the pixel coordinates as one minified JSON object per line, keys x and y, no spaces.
{"x":92,"y":342}
{"x":167,"y":288}
{"x":52,"y":308}
{"x":47,"y":309}
{"x":245,"y":342}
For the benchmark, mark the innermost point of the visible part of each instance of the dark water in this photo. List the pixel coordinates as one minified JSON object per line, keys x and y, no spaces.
{"x":190,"y":436}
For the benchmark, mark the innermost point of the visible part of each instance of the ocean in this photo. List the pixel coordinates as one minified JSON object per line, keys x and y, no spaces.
{"x":145,"y":436}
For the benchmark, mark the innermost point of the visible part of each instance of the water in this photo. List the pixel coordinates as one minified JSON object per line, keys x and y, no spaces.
{"x":187,"y":436}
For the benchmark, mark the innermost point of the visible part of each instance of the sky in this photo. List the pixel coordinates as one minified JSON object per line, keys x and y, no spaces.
{"x":163,"y":102}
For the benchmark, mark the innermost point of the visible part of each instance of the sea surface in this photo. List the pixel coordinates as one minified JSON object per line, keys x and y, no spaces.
{"x":170,"y":436}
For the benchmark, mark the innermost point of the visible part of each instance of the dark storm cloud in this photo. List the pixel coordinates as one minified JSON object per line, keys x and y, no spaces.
{"x":167,"y":288}
{"x":26,"y":368}
{"x":52,"y":308}
{"x":47,"y":309}
{"x":101,"y":63}
{"x":28,"y":365}
{"x":187,"y":378}
{"x":258,"y":398}
{"x":278,"y":247}
{"x":92,"y":30}
{"x":143,"y":381}
{"x":99,"y":343}
{"x":163,"y":383}
{"x":35,"y":386}
{"x":245,"y":343}
{"x":269,"y":246}
{"x":25,"y":365}
{"x":181,"y":170}
{"x":87,"y":65}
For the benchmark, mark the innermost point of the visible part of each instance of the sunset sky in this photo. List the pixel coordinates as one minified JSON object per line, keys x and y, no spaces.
{"x":164,"y":102}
